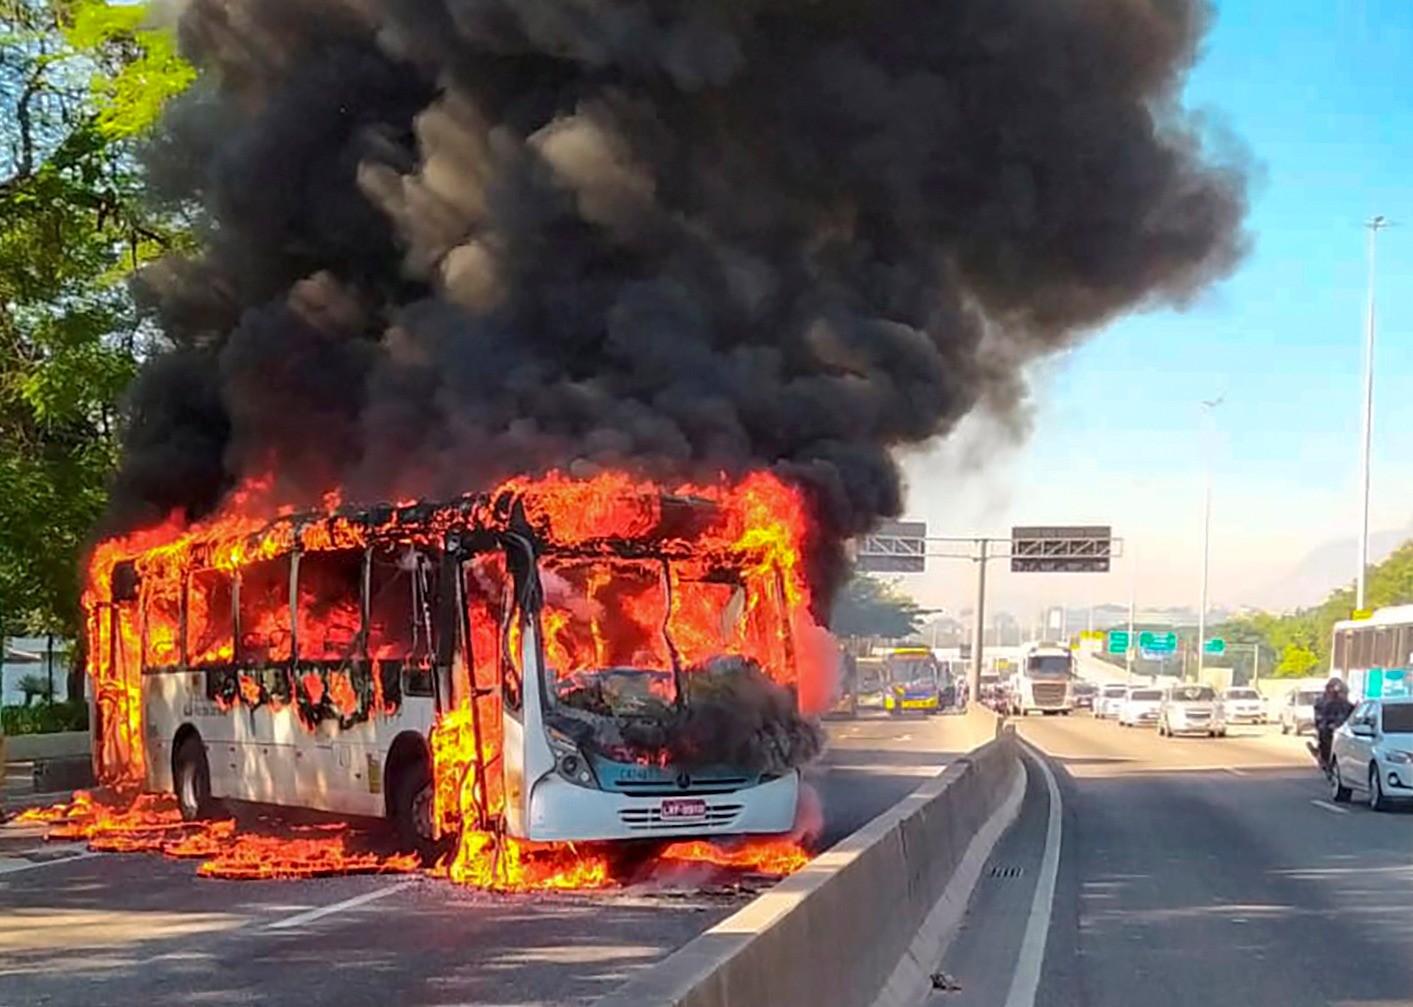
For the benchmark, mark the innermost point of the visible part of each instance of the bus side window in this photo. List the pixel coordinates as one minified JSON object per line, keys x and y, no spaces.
{"x":161,"y":630}
{"x":1383,"y":647}
{"x":401,"y":586}
{"x":210,"y":619}
{"x":1340,"y":658}
{"x":1363,"y":646}
{"x":266,"y":629}
{"x":330,"y":606}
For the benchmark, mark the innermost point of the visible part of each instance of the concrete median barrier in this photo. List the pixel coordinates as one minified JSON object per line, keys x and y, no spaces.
{"x":866,"y":922}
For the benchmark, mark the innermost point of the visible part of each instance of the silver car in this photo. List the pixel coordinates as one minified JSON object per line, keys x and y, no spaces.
{"x":1244,"y":705}
{"x":1110,"y":700}
{"x":1298,"y":711}
{"x":1191,"y":709}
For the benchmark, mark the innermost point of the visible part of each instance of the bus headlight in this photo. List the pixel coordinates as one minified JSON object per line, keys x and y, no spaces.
{"x":568,"y":760}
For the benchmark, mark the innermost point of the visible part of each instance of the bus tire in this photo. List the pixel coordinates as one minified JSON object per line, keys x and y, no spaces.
{"x":191,"y":778}
{"x":412,"y":809}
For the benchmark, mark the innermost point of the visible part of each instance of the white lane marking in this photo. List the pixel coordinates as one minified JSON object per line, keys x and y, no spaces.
{"x":10,"y":865}
{"x":300,"y":919}
{"x":1327,"y":806}
{"x":1025,"y":981}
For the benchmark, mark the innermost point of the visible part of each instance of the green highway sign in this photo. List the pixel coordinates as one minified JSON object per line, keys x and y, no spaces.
{"x":1158,"y":643}
{"x":1216,"y":645}
{"x":1118,"y":641}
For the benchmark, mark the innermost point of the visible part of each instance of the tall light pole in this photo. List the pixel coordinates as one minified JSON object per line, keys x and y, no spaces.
{"x":1375,"y":225}
{"x":1132,"y":599}
{"x":1207,"y":409}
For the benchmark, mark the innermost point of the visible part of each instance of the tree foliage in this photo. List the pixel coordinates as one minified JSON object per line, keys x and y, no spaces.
{"x":871,"y":607}
{"x":1298,"y":645}
{"x":80,"y":82}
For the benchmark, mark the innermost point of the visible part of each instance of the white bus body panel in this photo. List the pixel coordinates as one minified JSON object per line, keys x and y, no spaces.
{"x":267,"y":755}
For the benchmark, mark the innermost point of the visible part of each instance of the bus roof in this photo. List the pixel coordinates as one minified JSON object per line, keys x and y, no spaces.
{"x":626,"y":520}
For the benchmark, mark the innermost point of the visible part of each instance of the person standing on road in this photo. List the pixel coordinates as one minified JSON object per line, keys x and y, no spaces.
{"x":1331,"y":710}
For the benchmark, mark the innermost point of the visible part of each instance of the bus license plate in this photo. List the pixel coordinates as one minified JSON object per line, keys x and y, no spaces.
{"x":678,"y":807}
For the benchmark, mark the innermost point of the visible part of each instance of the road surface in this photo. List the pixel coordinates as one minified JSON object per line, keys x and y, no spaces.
{"x":147,"y":931}
{"x":1190,"y":871}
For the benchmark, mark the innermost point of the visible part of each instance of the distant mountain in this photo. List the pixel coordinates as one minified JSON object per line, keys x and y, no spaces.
{"x":1324,"y":569}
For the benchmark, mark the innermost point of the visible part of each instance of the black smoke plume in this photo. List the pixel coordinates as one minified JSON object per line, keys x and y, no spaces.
{"x":452,"y":240}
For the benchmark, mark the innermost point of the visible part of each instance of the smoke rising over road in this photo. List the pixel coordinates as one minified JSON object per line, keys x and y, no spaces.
{"x":453,"y":240}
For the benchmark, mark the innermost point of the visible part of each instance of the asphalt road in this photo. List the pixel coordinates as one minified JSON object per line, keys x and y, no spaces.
{"x":1190,"y":871}
{"x":81,"y":929}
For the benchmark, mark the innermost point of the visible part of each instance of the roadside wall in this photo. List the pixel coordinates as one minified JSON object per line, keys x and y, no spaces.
{"x":31,"y":747}
{"x":834,"y":934}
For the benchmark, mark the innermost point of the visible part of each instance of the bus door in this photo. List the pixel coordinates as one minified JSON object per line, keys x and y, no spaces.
{"x":524,"y":750}
{"x":492,"y":688}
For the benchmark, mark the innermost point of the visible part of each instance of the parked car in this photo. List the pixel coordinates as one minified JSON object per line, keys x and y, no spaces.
{"x":1373,"y":753}
{"x":1298,"y":711}
{"x":1191,"y":709}
{"x":1084,"y":694}
{"x":1110,"y":700}
{"x":1244,"y":706}
{"x":1140,"y":708}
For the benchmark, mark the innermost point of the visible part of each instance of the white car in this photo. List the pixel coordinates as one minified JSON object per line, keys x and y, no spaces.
{"x":1191,"y":709}
{"x":1244,"y":706}
{"x":1140,"y":708}
{"x":1298,"y":711}
{"x":1110,"y":700}
{"x":1373,"y":753}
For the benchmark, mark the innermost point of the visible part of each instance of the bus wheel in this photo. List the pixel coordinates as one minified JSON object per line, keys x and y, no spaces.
{"x":413,"y":807}
{"x":191,"y":778}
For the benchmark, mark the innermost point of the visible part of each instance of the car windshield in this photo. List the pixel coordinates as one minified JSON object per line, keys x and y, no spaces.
{"x":1308,"y":698}
{"x":1243,"y":694}
{"x":1398,"y":718}
{"x":1115,"y":691}
{"x":1145,"y":695}
{"x":1193,"y":694}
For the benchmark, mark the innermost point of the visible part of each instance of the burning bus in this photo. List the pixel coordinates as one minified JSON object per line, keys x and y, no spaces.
{"x":556,"y":659}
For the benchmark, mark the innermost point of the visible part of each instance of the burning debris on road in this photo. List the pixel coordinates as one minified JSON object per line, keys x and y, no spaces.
{"x":562,"y":248}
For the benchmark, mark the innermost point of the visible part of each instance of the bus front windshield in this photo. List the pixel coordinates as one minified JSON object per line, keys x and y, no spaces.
{"x":913,"y":669}
{"x":624,"y":637}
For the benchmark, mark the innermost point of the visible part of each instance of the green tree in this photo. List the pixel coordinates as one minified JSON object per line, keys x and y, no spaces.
{"x":80,"y":83}
{"x":871,"y":607}
{"x":34,"y":685}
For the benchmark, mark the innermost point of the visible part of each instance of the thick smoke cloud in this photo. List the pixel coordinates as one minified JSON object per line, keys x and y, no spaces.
{"x":452,"y":240}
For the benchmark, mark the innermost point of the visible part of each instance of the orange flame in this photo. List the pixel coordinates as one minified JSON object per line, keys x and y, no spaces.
{"x":762,"y":856}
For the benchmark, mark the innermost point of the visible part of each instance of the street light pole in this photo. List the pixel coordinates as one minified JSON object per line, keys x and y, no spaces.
{"x":1132,"y":597}
{"x":1375,"y":225}
{"x":1208,"y":407}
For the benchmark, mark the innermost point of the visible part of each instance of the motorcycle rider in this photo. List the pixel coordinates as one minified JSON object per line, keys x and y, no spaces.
{"x":1331,"y":710}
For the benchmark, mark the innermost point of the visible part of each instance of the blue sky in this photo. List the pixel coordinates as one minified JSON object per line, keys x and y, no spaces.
{"x":1318,"y":92}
